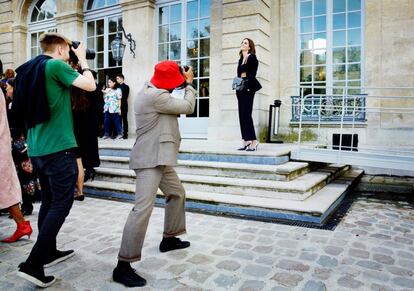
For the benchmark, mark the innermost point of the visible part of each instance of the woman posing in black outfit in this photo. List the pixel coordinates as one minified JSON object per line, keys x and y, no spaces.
{"x":247,"y":69}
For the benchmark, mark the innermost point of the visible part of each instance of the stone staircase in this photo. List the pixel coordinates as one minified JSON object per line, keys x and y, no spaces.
{"x":264,"y":185}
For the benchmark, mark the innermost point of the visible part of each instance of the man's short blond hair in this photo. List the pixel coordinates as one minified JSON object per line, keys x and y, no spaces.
{"x":49,"y":41}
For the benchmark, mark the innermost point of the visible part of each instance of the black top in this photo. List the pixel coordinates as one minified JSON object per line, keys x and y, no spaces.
{"x":124,"y":101}
{"x":250,"y":68}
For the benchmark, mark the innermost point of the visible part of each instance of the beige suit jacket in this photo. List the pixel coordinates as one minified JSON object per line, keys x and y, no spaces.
{"x":158,"y":135}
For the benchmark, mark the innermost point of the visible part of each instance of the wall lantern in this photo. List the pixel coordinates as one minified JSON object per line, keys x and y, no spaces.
{"x":118,"y":47}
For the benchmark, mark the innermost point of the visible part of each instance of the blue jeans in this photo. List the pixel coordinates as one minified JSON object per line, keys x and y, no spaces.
{"x":58,"y":173}
{"x":115,"y":119}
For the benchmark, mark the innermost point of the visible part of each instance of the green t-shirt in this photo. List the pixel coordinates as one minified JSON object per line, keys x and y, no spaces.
{"x":55,"y":134}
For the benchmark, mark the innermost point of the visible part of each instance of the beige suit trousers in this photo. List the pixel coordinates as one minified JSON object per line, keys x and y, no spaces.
{"x":147,"y":183}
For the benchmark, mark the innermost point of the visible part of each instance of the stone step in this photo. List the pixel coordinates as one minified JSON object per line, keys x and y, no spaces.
{"x":261,"y":158}
{"x":314,"y":209}
{"x":298,"y":189}
{"x":284,"y":172}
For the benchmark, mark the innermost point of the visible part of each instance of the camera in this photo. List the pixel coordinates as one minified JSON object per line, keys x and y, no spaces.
{"x":90,"y":53}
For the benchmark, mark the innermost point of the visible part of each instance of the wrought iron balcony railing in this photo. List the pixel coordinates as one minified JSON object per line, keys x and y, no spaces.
{"x":329,"y":108}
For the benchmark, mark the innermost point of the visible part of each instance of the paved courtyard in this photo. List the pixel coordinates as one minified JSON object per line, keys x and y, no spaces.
{"x":371,"y":249}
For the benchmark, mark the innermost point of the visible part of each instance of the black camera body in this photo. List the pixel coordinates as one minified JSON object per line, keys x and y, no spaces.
{"x":90,"y":53}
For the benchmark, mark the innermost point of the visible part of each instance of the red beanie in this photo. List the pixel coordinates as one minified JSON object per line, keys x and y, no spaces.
{"x":167,"y":75}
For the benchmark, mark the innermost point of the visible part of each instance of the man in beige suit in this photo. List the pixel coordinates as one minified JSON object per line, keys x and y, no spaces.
{"x":153,"y":157}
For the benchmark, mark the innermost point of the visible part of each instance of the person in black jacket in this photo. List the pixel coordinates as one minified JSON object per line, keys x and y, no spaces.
{"x":120,"y":79}
{"x":247,"y":69}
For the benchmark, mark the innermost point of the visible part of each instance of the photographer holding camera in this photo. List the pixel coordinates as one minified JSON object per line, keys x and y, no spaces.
{"x":153,"y":157}
{"x":43,"y":101}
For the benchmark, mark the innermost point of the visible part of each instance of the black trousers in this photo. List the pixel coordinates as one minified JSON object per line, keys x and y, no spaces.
{"x":124,"y":115}
{"x":245,"y":101}
{"x":58,"y":173}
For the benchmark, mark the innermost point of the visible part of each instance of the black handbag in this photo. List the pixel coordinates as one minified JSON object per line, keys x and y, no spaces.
{"x":238,"y":84}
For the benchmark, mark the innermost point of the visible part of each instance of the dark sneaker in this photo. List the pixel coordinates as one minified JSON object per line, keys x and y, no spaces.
{"x":59,"y":256}
{"x":34,"y":275}
{"x":128,"y":277}
{"x":172,"y":243}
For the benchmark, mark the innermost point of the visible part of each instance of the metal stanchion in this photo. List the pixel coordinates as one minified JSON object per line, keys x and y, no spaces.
{"x":273,"y":126}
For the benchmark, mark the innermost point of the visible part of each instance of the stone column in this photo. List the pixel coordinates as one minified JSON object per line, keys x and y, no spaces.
{"x":6,"y":35}
{"x":240,"y":19}
{"x":138,"y":19}
{"x":69,"y":19}
{"x":19,"y":51}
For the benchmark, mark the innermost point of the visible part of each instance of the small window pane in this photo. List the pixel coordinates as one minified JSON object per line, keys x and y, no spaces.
{"x":305,"y":41}
{"x":90,"y":43}
{"x":192,"y":49}
{"x":175,"y":51}
{"x":339,"y":21}
{"x":354,"y":71}
{"x":306,"y":9}
{"x":204,"y":68}
{"x":204,"y":8}
{"x":176,"y":13}
{"x":320,"y":7}
{"x":320,"y":23}
{"x":192,"y":29}
{"x":354,"y":5}
{"x":306,"y":25}
{"x":42,"y":16}
{"x":204,"y":47}
{"x":354,"y":19}
{"x":339,"y":38}
{"x":339,"y":72}
{"x":194,"y":65}
{"x":338,"y":55}
{"x":320,"y":73}
{"x":306,"y":74}
{"x":100,"y":27}
{"x":306,"y":58}
{"x":163,"y":15}
{"x":354,"y":54}
{"x":35,"y":14}
{"x":354,"y":36}
{"x":163,"y":52}
{"x":320,"y":58}
{"x":192,"y":10}
{"x":34,"y":52}
{"x":100,"y":59}
{"x":100,"y":43}
{"x":112,"y":24}
{"x":163,"y":33}
{"x":204,"y":88}
{"x":204,"y":108}
{"x":339,"y":6}
{"x":205,"y":28}
{"x":33,"y":39}
{"x":175,"y":32}
{"x":91,"y":28}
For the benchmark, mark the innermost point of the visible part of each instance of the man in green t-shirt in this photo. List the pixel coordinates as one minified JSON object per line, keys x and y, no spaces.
{"x":51,"y":145}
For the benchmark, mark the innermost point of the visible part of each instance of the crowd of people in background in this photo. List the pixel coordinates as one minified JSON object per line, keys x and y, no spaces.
{"x":101,"y":113}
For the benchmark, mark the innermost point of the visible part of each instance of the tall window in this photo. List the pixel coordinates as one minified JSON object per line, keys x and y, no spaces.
{"x":41,"y":20}
{"x":184,"y":37}
{"x":330,"y":44}
{"x":103,"y":21}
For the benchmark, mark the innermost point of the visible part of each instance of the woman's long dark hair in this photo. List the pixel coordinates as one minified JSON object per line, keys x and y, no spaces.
{"x":252,"y":49}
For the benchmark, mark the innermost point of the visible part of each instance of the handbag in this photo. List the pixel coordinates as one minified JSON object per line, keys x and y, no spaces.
{"x":238,"y":84}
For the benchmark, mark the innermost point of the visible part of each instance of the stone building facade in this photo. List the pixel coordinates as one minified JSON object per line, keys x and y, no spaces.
{"x":313,"y":43}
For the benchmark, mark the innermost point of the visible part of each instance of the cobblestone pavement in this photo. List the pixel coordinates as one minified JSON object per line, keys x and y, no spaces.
{"x":371,"y":249}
